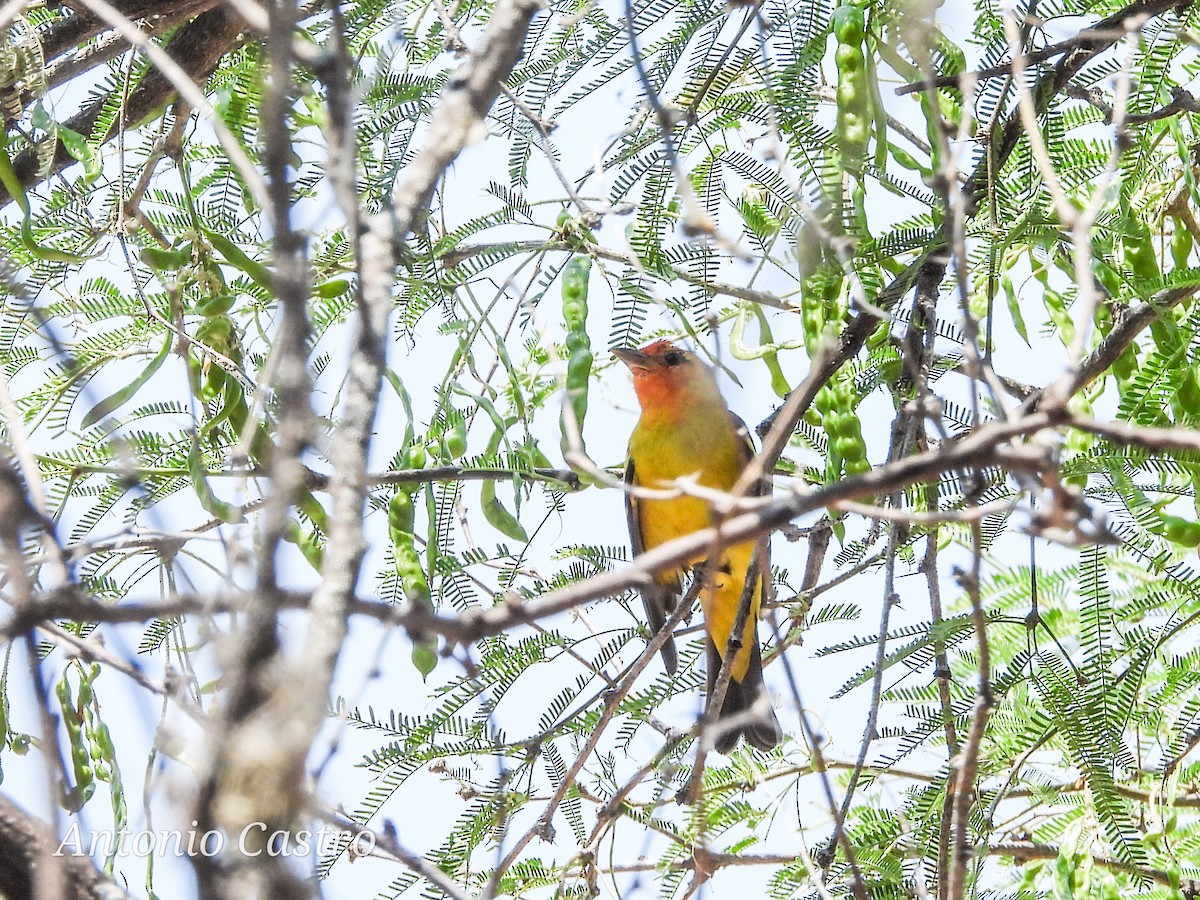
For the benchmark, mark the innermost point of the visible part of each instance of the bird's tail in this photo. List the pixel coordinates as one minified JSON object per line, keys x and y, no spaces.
{"x":747,"y":710}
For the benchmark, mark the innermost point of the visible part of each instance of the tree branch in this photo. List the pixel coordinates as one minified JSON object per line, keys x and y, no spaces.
{"x":29,"y":860}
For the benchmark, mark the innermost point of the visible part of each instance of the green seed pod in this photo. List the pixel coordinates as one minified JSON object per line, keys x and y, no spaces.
{"x":849,"y":26}
{"x":236,"y":257}
{"x":1181,"y":531}
{"x":847,"y":56}
{"x":576,"y":278}
{"x":215,"y":379}
{"x":1182,"y":242}
{"x":215,"y":332}
{"x":308,"y":543}
{"x":860,"y":465}
{"x":855,"y":134}
{"x":843,"y":394}
{"x":411,"y":573}
{"x":824,"y":401}
{"x":848,"y":447}
{"x":853,"y":131}
{"x":905,"y":159}
{"x":215,"y":305}
{"x":401,"y":516}
{"x":414,"y":456}
{"x":165,"y":260}
{"x":1139,"y":250}
{"x":456,"y":437}
{"x":812,"y":309}
{"x":104,"y":739}
{"x":499,"y":517}
{"x":334,"y":287}
{"x":846,"y":424}
{"x":424,"y":656}
{"x":74,"y":800}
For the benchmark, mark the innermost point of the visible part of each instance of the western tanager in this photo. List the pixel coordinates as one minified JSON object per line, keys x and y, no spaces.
{"x":687,"y":430}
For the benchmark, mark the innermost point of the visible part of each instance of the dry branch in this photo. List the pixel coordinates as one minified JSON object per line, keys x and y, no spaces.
{"x":258,"y":770}
{"x":32,"y":868}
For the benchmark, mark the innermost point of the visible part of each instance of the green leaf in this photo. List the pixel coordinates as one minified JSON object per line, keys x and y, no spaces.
{"x":124,"y":395}
{"x":398,"y":386}
{"x":1014,"y":307}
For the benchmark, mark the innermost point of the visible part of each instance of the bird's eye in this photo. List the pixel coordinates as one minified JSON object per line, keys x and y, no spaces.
{"x":673,"y":358}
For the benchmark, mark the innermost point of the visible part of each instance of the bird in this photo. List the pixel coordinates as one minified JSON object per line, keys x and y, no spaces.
{"x":687,"y":429}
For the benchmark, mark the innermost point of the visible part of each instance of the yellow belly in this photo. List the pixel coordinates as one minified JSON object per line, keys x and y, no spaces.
{"x":721,"y":599}
{"x":665,"y":520}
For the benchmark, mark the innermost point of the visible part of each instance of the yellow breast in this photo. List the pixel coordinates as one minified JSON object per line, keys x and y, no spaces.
{"x":704,"y":449}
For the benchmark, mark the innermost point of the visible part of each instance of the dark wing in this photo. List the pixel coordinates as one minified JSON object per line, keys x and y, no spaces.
{"x":748,"y":702}
{"x":762,"y":487}
{"x":658,"y":599}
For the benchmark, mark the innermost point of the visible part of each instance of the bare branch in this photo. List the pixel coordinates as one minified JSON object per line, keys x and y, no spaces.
{"x":28,"y":847}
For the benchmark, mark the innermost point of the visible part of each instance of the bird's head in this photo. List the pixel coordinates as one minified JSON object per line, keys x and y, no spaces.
{"x":666,"y":376}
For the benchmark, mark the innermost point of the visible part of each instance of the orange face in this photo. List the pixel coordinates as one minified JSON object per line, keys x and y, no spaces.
{"x":661,"y":372}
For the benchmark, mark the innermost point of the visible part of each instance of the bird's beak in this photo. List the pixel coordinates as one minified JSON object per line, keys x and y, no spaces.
{"x":635,"y":359}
